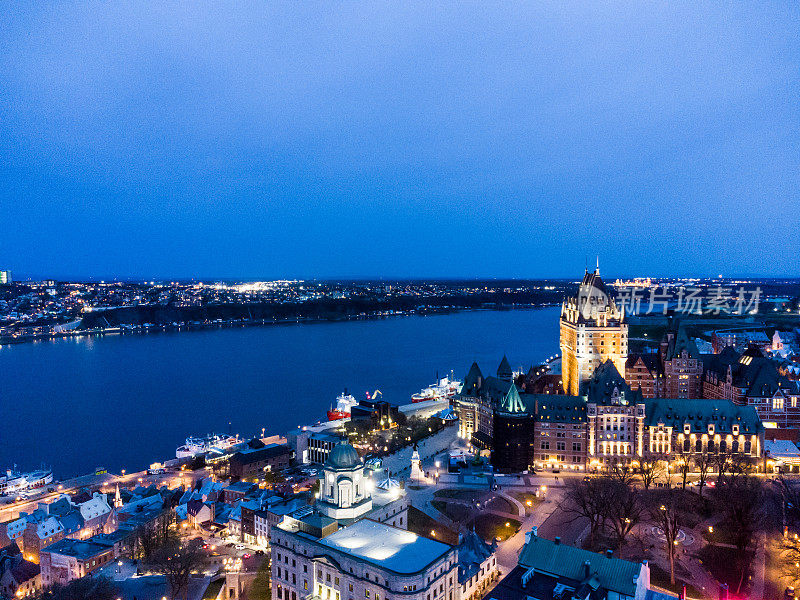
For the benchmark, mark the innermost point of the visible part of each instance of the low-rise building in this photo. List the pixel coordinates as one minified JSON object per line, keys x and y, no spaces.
{"x":70,"y":559}
{"x":253,"y":462}
{"x":548,"y":570}
{"x":19,"y":577}
{"x":477,"y":566}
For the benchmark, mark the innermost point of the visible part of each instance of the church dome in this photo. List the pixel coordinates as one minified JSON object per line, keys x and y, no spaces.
{"x":343,"y":456}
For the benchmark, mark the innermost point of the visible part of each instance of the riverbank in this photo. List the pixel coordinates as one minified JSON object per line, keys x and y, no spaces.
{"x":147,"y":328}
{"x":120,"y":400}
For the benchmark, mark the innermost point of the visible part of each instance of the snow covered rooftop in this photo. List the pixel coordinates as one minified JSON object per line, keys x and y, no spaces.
{"x":387,"y":547}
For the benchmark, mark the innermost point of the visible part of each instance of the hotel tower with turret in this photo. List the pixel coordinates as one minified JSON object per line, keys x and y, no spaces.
{"x":593,"y":330}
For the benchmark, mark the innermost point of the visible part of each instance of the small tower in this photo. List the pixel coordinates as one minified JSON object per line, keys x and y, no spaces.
{"x":117,"y":498}
{"x":416,"y":469}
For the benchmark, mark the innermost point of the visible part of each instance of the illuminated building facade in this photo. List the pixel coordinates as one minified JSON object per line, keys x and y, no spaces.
{"x":354,"y":544}
{"x":615,"y":419}
{"x":683,"y":366}
{"x":611,"y":424}
{"x":592,"y":330}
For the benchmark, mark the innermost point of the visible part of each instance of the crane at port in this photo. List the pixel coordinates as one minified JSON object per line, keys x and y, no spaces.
{"x":374,"y":395}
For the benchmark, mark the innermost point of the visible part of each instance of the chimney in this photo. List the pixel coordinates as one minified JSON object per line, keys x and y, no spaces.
{"x":609,"y":553}
{"x":557,"y":540}
{"x":586,"y":569}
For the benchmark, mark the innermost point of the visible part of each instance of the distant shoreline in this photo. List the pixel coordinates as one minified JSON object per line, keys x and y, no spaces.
{"x":149,"y":328}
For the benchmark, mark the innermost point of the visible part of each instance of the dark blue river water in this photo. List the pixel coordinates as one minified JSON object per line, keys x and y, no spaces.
{"x":127,"y":401}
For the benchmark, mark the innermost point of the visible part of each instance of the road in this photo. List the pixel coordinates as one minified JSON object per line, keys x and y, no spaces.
{"x":106,"y":483}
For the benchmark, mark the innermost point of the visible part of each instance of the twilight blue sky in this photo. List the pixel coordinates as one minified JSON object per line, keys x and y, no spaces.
{"x":302,"y":139}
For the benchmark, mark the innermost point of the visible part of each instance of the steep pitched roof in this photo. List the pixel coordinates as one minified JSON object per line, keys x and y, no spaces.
{"x":512,"y":403}
{"x":472,"y":552}
{"x":593,"y":280}
{"x":680,"y":342}
{"x":606,"y":385}
{"x":472,"y":381}
{"x":504,"y":371}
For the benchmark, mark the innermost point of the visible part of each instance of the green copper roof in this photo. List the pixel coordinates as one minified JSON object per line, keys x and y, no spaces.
{"x":561,"y":560}
{"x":699,"y":414}
{"x":512,"y":403}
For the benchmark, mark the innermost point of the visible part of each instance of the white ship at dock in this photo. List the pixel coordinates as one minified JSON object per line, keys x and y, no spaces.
{"x":14,"y":482}
{"x":196,"y":446}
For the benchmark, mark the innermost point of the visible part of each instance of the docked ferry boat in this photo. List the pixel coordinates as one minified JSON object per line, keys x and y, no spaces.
{"x":195,"y":446}
{"x":344,"y":403}
{"x":443,"y":389}
{"x":14,"y":482}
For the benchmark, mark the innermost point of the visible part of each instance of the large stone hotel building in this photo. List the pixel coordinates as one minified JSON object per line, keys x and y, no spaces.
{"x":593,"y":330}
{"x":609,"y":408}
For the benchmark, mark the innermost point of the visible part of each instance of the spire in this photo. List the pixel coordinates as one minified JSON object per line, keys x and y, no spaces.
{"x":597,"y":267}
{"x":117,"y":498}
{"x":512,"y":403}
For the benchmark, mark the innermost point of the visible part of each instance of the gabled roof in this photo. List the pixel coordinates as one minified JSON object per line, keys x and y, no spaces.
{"x":680,"y":342}
{"x":472,"y":552}
{"x":650,"y":360}
{"x":563,"y":561}
{"x":606,"y":384}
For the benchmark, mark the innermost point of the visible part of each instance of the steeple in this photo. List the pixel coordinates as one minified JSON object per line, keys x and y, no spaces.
{"x":512,"y":403}
{"x":117,"y":498}
{"x":597,"y":267}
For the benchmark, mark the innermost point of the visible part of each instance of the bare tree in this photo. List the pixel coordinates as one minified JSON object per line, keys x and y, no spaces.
{"x":85,"y":588}
{"x":684,"y":467}
{"x":721,"y":462}
{"x":624,"y":509}
{"x":588,"y":498}
{"x":177,"y":562}
{"x":790,"y":500}
{"x":790,"y":560}
{"x":650,"y":468}
{"x":741,"y":499}
{"x":703,"y":462}
{"x":665,"y":511}
{"x":617,"y":471}
{"x":149,"y":537}
{"x":739,"y":466}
